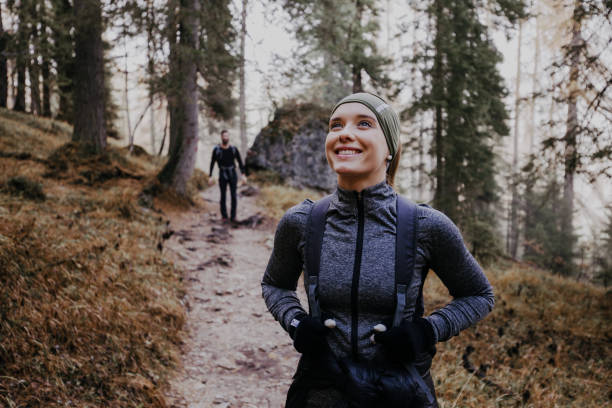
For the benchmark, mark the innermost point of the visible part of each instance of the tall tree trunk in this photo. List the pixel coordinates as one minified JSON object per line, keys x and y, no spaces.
{"x":20,"y":60}
{"x":243,"y":31}
{"x":127,"y":99}
{"x":535,"y":87}
{"x":89,"y":126}
{"x":63,"y":46}
{"x":151,"y":71}
{"x":33,"y":65}
{"x":437,"y":82}
{"x":357,"y":67}
{"x":513,"y":230}
{"x":34,"y":75}
{"x":571,"y":156}
{"x":3,"y":67}
{"x":184,"y":112}
{"x":45,"y":65}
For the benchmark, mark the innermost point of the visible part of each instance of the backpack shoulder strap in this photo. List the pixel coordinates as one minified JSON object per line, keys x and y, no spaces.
{"x":314,"y":240}
{"x":405,"y":253}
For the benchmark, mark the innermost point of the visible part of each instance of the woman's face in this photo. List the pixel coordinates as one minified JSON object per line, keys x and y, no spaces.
{"x":355,"y":147}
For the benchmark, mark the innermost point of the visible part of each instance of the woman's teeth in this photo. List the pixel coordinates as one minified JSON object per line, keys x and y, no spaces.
{"x":348,"y":152}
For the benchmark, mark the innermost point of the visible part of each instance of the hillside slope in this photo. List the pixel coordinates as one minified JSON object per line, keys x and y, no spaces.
{"x":90,"y":309}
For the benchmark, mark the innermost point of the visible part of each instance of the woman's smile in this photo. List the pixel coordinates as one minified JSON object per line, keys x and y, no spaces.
{"x":347,"y":152}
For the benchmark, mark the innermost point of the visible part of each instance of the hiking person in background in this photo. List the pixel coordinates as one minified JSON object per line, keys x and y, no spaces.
{"x":365,"y":252}
{"x":225,"y":156}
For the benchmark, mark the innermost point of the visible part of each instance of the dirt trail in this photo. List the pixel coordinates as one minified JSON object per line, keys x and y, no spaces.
{"x":235,"y":354}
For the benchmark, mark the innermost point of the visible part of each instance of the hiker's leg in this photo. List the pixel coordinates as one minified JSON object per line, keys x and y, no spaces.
{"x":233,"y":182}
{"x":223,"y":187}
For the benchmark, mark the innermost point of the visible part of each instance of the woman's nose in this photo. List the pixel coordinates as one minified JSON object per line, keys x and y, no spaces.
{"x":346,"y":136}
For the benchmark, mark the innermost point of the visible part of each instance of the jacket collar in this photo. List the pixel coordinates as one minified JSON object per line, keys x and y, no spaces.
{"x":376,"y":196}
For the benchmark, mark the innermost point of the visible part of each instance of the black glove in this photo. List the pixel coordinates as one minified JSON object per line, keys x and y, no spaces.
{"x":309,"y":335}
{"x":408,"y":340}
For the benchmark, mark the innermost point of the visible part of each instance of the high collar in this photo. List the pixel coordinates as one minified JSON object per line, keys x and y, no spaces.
{"x":373,"y":197}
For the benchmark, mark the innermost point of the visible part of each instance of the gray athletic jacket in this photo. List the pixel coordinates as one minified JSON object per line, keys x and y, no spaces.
{"x":358,"y":300}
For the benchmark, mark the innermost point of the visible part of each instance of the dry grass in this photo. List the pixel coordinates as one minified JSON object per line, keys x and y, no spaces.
{"x":546,"y":343}
{"x":277,"y":199}
{"x":90,"y":310}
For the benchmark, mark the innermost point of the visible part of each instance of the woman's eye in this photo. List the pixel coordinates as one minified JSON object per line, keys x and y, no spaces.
{"x":335,"y":125}
{"x":365,"y":123}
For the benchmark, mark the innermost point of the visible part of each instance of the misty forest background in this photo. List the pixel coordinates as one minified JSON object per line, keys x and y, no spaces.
{"x":506,"y":108}
{"x":504,"y":160}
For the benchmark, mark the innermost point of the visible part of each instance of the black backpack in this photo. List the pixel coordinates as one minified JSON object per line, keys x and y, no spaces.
{"x":219,"y":151}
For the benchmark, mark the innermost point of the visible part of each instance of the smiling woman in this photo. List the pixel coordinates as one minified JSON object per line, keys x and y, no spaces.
{"x":366,"y":252}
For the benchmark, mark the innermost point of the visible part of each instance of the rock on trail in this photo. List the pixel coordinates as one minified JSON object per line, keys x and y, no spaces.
{"x":235,"y":354}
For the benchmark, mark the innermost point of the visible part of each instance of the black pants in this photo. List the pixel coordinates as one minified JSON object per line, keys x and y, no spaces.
{"x":228,"y":176}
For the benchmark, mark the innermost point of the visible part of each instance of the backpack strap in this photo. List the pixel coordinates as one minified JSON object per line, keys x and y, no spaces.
{"x":314,"y":241}
{"x":217,"y":151}
{"x":405,"y":253}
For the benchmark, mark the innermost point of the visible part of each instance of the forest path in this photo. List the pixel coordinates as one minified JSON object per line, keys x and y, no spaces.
{"x":235,"y":354}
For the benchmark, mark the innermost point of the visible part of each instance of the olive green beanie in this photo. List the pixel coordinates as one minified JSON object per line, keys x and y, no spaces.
{"x":386,"y":116}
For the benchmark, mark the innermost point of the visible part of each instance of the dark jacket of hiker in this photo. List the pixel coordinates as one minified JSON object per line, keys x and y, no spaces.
{"x":357,"y":305}
{"x":225,"y":159}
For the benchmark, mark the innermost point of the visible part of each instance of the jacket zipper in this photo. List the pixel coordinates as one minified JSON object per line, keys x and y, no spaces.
{"x":356,"y":273}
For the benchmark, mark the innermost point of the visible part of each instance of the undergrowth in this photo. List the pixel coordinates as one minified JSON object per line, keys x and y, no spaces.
{"x":90,"y":310}
{"x":546,"y":343}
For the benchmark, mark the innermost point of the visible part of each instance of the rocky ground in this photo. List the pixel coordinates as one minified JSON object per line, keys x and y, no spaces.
{"x":235,"y":353}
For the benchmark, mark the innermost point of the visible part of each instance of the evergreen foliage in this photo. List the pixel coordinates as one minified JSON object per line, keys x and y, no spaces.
{"x":603,"y":253}
{"x":464,"y":92}
{"x":337,"y":47}
{"x":546,"y":244}
{"x":218,"y":64}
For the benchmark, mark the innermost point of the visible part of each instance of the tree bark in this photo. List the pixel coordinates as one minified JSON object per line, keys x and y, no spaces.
{"x":34,"y":75}
{"x":89,"y":126}
{"x":20,"y":60}
{"x":63,"y":48}
{"x":438,"y":95}
{"x":571,"y":156}
{"x":3,"y":67}
{"x":513,"y":230}
{"x":184,"y":108}
{"x":151,"y":71}
{"x":243,"y":31}
{"x":45,"y":65}
{"x":33,"y":66}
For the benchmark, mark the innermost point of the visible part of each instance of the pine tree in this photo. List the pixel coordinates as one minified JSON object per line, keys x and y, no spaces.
{"x":545,"y":242}
{"x":242,"y":75}
{"x":603,"y":255}
{"x":61,"y":24}
{"x":89,"y":123}
{"x":579,"y":136}
{"x":21,"y":52}
{"x":199,"y":35}
{"x":3,"y":64}
{"x":464,"y":93}
{"x":182,"y":95}
{"x":338,"y":46}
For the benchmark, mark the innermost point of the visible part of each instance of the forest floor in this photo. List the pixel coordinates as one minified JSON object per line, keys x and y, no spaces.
{"x":235,"y":354}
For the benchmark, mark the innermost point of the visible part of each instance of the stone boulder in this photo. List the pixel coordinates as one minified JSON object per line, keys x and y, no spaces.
{"x":293,"y":146}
